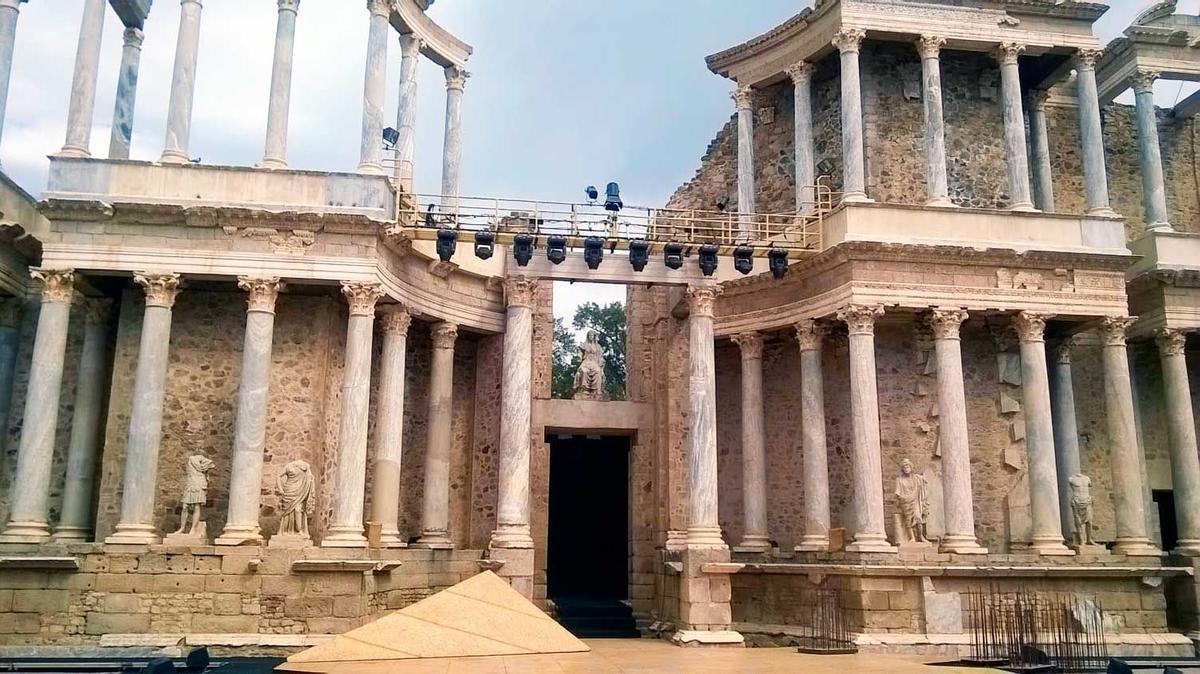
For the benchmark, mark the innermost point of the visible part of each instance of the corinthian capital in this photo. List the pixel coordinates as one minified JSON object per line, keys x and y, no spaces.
{"x":1143,"y":80}
{"x":743,"y":97}
{"x":410,"y":44}
{"x":380,"y":7}
{"x":1171,"y":342}
{"x":1085,"y":59}
{"x":161,"y":289}
{"x":58,"y":285}
{"x":1031,"y":326}
{"x":701,"y":299}
{"x":456,"y":78}
{"x":946,"y":323}
{"x":809,"y":334}
{"x":1062,"y":350}
{"x":929,"y":46}
{"x":860,"y":318}
{"x":1007,"y":53}
{"x":1114,"y":328}
{"x":134,"y":37}
{"x":849,"y":39}
{"x":751,"y":344}
{"x":519,"y":291}
{"x":1038,"y":99}
{"x":362,"y":297}
{"x":444,"y":335}
{"x":261,"y":293}
{"x":395,"y":319}
{"x":289,"y":5}
{"x":802,"y":72}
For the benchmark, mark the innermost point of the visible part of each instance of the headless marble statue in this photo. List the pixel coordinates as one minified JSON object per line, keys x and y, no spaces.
{"x":1081,"y":508}
{"x":193,"y":498}
{"x":296,"y":495}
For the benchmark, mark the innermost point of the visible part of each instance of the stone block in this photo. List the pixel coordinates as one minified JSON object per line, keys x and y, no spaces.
{"x":207,"y":564}
{"x":119,"y":582}
{"x":282,"y":585}
{"x":71,"y":581}
{"x":880,"y":584}
{"x":40,"y":601}
{"x":20,"y":623}
{"x":6,"y":600}
{"x":172,"y":582}
{"x":943,"y":613}
{"x":231,"y":583}
{"x":122,"y":563}
{"x":235,"y":564}
{"x":224,"y":623}
{"x":108,"y":623}
{"x":348,"y":607}
{"x":23,"y":580}
{"x":333,"y":584}
{"x":905,"y":601}
{"x":152,"y":563}
{"x":123,"y":603}
{"x":308,"y":607}
{"x":695,"y":590}
{"x":181,"y":564}
{"x":330,"y":625}
{"x":720,"y":589}
{"x":227,"y":604}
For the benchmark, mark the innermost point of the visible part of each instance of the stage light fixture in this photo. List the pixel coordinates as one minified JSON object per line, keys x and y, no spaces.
{"x":673,"y":255}
{"x":639,"y":254}
{"x":777,"y":261}
{"x":593,"y":252}
{"x":485,"y":244}
{"x":429,"y":219}
{"x":556,"y":249}
{"x":708,"y":259}
{"x":743,"y":259}
{"x":523,"y":245}
{"x":592,"y":193}
{"x":612,"y":199}
{"x":390,"y":138}
{"x":447,"y":241}
{"x":723,"y":202}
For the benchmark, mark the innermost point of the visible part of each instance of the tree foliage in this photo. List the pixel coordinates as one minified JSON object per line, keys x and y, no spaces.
{"x":609,"y":323}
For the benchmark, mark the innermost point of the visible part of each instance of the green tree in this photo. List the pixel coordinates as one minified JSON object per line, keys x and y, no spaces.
{"x":566,"y":361}
{"x":609,"y":323}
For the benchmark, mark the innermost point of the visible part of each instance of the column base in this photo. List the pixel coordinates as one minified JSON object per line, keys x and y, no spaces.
{"x":72,"y":534}
{"x":434,"y":540}
{"x":1051,"y":547}
{"x":705,"y":537}
{"x":857,"y":198}
{"x":1159,"y":227}
{"x":708,"y":638}
{"x":26,"y":532}
{"x":133,"y":534}
{"x":961,"y":545}
{"x":870,"y":543}
{"x":272,"y":163}
{"x":391,"y":539}
{"x":344,"y":537}
{"x":510,"y":536}
{"x":1105,"y":212}
{"x":1024,"y":207}
{"x":174,"y":157}
{"x":753,"y":543}
{"x":813,"y":544}
{"x":240,"y":536}
{"x":371,"y":169}
{"x":1136,"y":547}
{"x":1187,"y":547}
{"x":676,"y":540}
{"x":73,"y":151}
{"x":940,"y":202}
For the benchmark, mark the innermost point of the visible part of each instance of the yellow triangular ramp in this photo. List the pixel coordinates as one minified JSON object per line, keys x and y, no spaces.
{"x":482,"y":615}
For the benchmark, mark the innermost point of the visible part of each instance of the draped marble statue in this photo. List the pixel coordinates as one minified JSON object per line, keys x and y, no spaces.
{"x":193,"y":498}
{"x":296,"y":496}
{"x":912,"y":496}
{"x":589,"y":378}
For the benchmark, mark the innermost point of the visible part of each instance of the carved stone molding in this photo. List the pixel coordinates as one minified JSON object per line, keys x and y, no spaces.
{"x":1007,"y":53}
{"x":849,"y":40}
{"x":946,"y":323}
{"x":1031,"y":326}
{"x":161,"y":289}
{"x":1038,"y":98}
{"x":1171,"y":342}
{"x":1144,"y":79}
{"x":701,"y":299}
{"x":751,"y":345}
{"x":1114,"y":328}
{"x":362,"y":297}
{"x":456,"y":78}
{"x":1062,"y":350}
{"x":58,"y":285}
{"x":96,"y":310}
{"x":289,"y":5}
{"x":1085,"y":59}
{"x":410,"y":44}
{"x":810,"y":333}
{"x":930,"y":46}
{"x":743,"y":97}
{"x":380,"y":7}
{"x":520,"y":291}
{"x":860,"y":318}
{"x":395,"y":319}
{"x":261,"y":292}
{"x":802,"y":72}
{"x":133,"y":37}
{"x":444,"y":335}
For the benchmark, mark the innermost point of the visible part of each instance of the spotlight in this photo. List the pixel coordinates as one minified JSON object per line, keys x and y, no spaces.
{"x":485,"y":244}
{"x":743,"y":259}
{"x":390,"y":138}
{"x":673,"y":255}
{"x":778,"y":262}
{"x":556,"y":249}
{"x":708,"y":259}
{"x":825,"y":167}
{"x":429,"y":222}
{"x":593,"y":251}
{"x":639,"y":254}
{"x":447,"y":240}
{"x":592,"y":194}
{"x":723,"y":202}
{"x":612,"y":199}
{"x":523,"y":248}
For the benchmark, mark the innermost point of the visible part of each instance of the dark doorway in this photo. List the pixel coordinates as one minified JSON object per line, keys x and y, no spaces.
{"x":587,"y":568}
{"x":1165,"y":500}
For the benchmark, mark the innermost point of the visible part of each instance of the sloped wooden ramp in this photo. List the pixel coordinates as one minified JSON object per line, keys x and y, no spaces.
{"x":480,"y":616}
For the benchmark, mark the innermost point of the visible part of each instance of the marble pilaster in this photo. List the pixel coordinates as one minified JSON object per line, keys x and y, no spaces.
{"x":1039,"y":435}
{"x":1181,"y":430}
{"x":512,"y":511}
{"x":140,"y":481}
{"x":754,"y":447}
{"x":937,"y":181}
{"x":87,"y":425}
{"x":1154,"y":186}
{"x":1039,"y":142}
{"x":435,"y":513}
{"x":250,"y":424}
{"x":747,"y":193}
{"x":10,"y":11}
{"x":1066,"y":428}
{"x":1095,"y":174}
{"x":121,"y":135}
{"x":183,"y":84}
{"x":869,"y":532}
{"x":848,"y":42}
{"x":406,"y":112}
{"x":1128,"y":499}
{"x":806,"y":170}
{"x":30,"y":511}
{"x":83,"y":83}
{"x":704,"y":529}
{"x":389,"y":426}
{"x":815,"y":538}
{"x":374,"y":88}
{"x":456,"y":81}
{"x":346,"y":525}
{"x":1016,"y":151}
{"x":279,"y":105}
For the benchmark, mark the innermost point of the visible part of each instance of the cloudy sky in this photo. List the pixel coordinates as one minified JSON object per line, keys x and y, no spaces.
{"x":564,"y":93}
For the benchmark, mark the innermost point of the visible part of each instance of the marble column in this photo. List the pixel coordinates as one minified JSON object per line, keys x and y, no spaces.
{"x":849,"y":41}
{"x":1154,"y":186}
{"x":250,"y":424}
{"x":275,"y":152}
{"x":806,"y":169}
{"x":9,"y":12}
{"x":456,"y":81}
{"x":1016,"y":151}
{"x":1066,"y":429}
{"x":29,"y":515}
{"x":1124,"y":455}
{"x":349,"y":493}
{"x":754,"y":447}
{"x":183,"y":84}
{"x":1181,"y":429}
{"x":1095,"y":174}
{"x":406,"y":112}
{"x":953,"y":437}
{"x":87,"y":425}
{"x":747,"y":193}
{"x":435,"y":514}
{"x":121,"y":136}
{"x":1039,"y":142}
{"x":704,"y":528}
{"x":83,"y":83}
{"x":389,"y":425}
{"x":937,"y":182}
{"x":1039,"y":435}
{"x":140,"y":481}
{"x":374,"y":88}
{"x":810,"y":334}
{"x":512,"y":511}
{"x":869,"y":532}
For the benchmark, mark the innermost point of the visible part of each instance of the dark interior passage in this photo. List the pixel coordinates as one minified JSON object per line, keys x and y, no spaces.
{"x":1164,"y":500}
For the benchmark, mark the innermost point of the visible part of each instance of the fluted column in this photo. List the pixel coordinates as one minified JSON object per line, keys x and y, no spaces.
{"x":1039,"y":142}
{"x":1154,"y":186}
{"x":953,"y":437}
{"x":747,"y":193}
{"x":183,"y":84}
{"x":1128,"y":499}
{"x":435,"y":515}
{"x":1039,"y":435}
{"x":869,"y":533}
{"x":140,"y":481}
{"x":406,"y":113}
{"x":83,"y":83}
{"x":937,"y":182}
{"x":121,"y":135}
{"x":1066,"y":429}
{"x":250,"y":425}
{"x":275,"y":154}
{"x":456,"y":81}
{"x":87,"y":425}
{"x":1181,"y":429}
{"x":389,"y":426}
{"x":9,"y":12}
{"x":374,"y":88}
{"x":29,"y":515}
{"x":754,"y":447}
{"x":1095,"y":174}
{"x":346,"y":525}
{"x":806,"y":170}
{"x":848,"y":42}
{"x":1016,"y":152}
{"x":810,"y":334}
{"x":512,"y":511}
{"x":704,"y":529}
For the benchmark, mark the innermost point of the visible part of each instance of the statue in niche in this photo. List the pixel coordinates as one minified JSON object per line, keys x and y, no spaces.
{"x":589,"y":378}
{"x":912,"y":494}
{"x":296,"y":498}
{"x":1081,"y":508}
{"x":195,"y":495}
